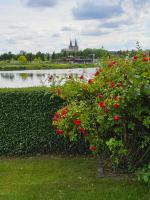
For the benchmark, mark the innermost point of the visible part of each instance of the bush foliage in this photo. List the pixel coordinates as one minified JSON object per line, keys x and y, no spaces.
{"x":111,"y":111}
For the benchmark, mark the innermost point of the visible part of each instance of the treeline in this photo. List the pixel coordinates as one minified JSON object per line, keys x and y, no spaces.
{"x":43,"y":57}
{"x":25,"y":56}
{"x":39,"y":56}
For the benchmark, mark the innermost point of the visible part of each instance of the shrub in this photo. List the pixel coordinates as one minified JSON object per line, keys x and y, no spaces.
{"x":110,"y":111}
{"x":144,"y":175}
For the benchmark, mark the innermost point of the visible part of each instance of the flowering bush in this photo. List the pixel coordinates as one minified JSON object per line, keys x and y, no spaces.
{"x":110,"y":110}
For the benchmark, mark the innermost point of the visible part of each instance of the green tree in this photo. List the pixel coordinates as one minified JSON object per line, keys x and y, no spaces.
{"x":22,"y":59}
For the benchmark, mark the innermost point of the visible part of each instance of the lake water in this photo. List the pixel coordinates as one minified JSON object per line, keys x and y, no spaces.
{"x":31,"y":78}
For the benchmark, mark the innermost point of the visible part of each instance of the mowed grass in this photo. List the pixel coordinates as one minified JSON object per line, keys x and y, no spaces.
{"x":56,"y":178}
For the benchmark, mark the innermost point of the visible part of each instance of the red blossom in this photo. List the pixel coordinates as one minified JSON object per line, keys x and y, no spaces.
{"x":102,"y":104}
{"x":97,"y":73}
{"x":135,"y":57}
{"x":90,"y":81}
{"x":112,"y":84}
{"x":145,"y":59}
{"x":56,"y":117}
{"x":77,"y":122}
{"x":85,"y":133}
{"x":81,"y":77}
{"x":59,"y":132}
{"x":92,"y":148}
{"x":56,"y":114}
{"x":64,"y":112}
{"x":112,"y":63}
{"x":120,"y":84}
{"x":116,"y":105}
{"x":116,"y":118}
{"x":81,"y":129}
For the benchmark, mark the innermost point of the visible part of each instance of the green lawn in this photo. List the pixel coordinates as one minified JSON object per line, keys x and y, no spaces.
{"x":54,"y":178}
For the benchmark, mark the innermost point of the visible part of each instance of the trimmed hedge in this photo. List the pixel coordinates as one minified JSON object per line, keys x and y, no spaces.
{"x":26,"y":124}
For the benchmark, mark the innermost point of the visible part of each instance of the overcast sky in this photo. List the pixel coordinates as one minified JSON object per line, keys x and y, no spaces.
{"x":48,"y":25}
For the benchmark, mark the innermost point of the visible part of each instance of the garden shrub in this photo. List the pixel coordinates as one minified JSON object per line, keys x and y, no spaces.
{"x":144,"y":174}
{"x":26,"y":124}
{"x":110,"y":111}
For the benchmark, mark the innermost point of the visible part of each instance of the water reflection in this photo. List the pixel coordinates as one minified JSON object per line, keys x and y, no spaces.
{"x":30,"y":78}
{"x":7,"y":76}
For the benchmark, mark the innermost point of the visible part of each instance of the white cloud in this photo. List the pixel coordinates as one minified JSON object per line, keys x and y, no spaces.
{"x":50,"y":29}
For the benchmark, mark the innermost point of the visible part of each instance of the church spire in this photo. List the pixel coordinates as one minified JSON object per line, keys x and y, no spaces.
{"x":76,"y":44}
{"x":70,"y":43}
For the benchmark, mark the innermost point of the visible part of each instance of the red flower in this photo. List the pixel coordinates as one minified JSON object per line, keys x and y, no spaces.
{"x":145,"y":59}
{"x":56,"y":114}
{"x":116,"y":105}
{"x":116,"y":118}
{"x":92,"y":148}
{"x":85,"y":133}
{"x":102,"y":104}
{"x":64,"y":112}
{"x":59,"y":91}
{"x":135,"y":57}
{"x":100,"y":96}
{"x":112,"y":63}
{"x":59,"y":132}
{"x":90,"y":81}
{"x":97,"y":73}
{"x":120,"y":84}
{"x":81,"y":77}
{"x":112,"y":84}
{"x":81,"y":130}
{"x":56,"y":117}
{"x":77,"y":122}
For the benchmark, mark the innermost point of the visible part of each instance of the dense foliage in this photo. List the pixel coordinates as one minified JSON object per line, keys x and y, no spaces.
{"x":110,"y":111}
{"x":26,"y":123}
{"x":39,"y":56}
{"x":144,"y":174}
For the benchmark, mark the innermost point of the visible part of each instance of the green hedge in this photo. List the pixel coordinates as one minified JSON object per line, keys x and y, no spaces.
{"x":26,"y":124}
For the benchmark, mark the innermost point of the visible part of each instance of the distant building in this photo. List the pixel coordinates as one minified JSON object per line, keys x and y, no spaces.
{"x":72,"y":48}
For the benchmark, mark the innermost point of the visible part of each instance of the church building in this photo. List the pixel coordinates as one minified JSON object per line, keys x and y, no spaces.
{"x":72,"y":48}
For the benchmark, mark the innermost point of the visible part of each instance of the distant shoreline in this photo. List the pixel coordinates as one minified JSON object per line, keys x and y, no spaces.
{"x":36,"y":66}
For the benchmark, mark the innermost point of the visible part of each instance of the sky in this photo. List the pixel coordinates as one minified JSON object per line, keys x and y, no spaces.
{"x":48,"y":25}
